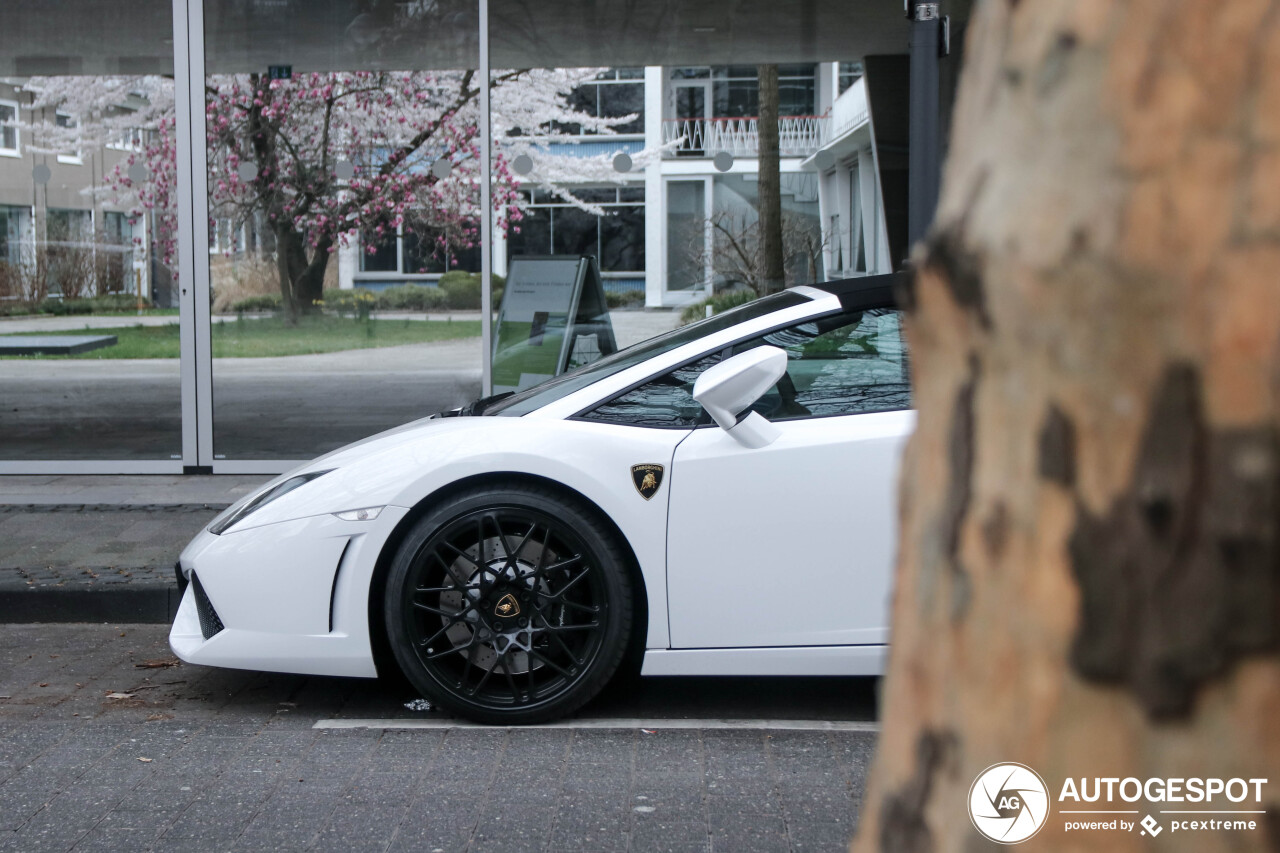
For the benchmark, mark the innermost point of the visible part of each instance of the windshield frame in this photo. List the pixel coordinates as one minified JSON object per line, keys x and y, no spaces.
{"x":553,"y":390}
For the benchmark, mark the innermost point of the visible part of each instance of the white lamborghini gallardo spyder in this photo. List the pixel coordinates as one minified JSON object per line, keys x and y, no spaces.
{"x":718,"y":500}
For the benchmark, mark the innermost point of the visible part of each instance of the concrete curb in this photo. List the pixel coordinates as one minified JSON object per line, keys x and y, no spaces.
{"x":153,"y":604}
{"x":104,"y":507}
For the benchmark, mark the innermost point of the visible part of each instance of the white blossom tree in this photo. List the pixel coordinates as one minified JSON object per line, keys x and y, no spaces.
{"x":134,"y":113}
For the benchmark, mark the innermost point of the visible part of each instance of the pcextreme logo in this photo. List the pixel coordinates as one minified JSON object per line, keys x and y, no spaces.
{"x":1008,"y":803}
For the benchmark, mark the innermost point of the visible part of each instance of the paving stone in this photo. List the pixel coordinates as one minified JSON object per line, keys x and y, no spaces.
{"x":815,"y":836}
{"x":661,"y":836}
{"x":588,"y":840}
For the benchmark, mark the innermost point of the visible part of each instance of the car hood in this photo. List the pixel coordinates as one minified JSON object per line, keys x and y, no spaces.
{"x":375,"y":470}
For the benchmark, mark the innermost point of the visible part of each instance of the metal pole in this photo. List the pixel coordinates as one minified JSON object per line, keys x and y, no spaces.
{"x":486,"y":208}
{"x":183,"y":86}
{"x":924,"y":173}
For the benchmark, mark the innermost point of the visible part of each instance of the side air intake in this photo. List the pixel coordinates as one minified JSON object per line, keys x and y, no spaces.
{"x":210,"y":623}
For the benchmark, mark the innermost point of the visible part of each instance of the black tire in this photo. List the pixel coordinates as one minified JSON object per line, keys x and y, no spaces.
{"x":509,"y":605}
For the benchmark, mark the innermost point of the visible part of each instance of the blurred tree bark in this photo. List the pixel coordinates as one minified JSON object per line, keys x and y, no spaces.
{"x":770,"y":181}
{"x":1089,"y":566}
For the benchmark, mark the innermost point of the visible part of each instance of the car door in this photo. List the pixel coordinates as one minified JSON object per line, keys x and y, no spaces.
{"x":792,"y":544}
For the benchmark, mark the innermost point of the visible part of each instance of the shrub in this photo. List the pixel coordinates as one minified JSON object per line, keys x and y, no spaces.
{"x":14,"y":309}
{"x":117,"y":302}
{"x":91,"y":305}
{"x":63,"y":307}
{"x":623,"y":298}
{"x":412,"y":297}
{"x":463,"y":290}
{"x":235,"y":280}
{"x":358,"y":301}
{"x":262,"y":302}
{"x":719,"y":303}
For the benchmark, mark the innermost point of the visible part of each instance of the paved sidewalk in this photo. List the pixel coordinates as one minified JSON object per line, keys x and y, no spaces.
{"x":77,"y":549}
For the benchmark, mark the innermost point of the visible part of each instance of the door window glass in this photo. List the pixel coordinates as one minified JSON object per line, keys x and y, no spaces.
{"x":846,"y":364}
{"x":666,"y":402}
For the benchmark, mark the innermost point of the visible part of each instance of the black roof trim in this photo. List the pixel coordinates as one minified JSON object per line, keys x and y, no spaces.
{"x":869,"y":291}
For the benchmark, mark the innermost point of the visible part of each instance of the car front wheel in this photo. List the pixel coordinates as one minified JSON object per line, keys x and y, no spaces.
{"x":509,"y":605}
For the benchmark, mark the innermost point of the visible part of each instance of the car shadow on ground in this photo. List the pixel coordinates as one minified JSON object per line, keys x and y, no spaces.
{"x":235,"y":694}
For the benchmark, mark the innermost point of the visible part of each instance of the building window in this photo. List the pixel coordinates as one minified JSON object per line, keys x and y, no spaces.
{"x":686,"y":235}
{"x":837,"y":243}
{"x":69,"y":252}
{"x":379,"y":255}
{"x":409,"y":251}
{"x":9,"y":129}
{"x":735,"y":89}
{"x":552,"y":226}
{"x":850,"y":73}
{"x":115,"y":253}
{"x":424,"y":252}
{"x":225,"y":236}
{"x":129,"y":140}
{"x":15,"y":228}
{"x":857,"y":243}
{"x":614,"y":93}
{"x":74,"y":158}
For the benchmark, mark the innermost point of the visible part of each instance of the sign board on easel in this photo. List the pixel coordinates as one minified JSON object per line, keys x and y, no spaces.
{"x":554,"y":318}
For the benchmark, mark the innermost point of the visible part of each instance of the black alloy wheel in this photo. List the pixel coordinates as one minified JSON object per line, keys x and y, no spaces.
{"x":509,"y":605}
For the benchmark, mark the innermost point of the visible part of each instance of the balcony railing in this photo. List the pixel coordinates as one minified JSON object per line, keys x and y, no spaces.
{"x":798,"y":136}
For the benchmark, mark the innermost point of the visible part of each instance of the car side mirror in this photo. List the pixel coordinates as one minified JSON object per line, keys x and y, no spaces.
{"x":728,"y":389}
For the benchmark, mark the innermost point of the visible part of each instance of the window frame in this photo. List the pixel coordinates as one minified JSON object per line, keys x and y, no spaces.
{"x":725,"y":351}
{"x":131,"y":139}
{"x":847,"y":74}
{"x":617,"y":204}
{"x":401,"y":275}
{"x":613,"y":77}
{"x":16,"y":150}
{"x":76,"y":159}
{"x":722,"y":75}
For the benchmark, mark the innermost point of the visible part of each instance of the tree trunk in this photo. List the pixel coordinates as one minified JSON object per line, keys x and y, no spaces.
{"x":770,"y":184}
{"x":1088,"y":576}
{"x":301,"y":281}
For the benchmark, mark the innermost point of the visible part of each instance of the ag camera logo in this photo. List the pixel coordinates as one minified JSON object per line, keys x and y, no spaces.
{"x":1008,"y":803}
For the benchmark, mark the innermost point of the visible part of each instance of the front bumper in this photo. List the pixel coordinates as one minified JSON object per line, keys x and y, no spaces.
{"x":286,"y":597}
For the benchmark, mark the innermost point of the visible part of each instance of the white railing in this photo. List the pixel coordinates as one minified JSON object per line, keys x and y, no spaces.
{"x":798,"y":136}
{"x":849,"y":112}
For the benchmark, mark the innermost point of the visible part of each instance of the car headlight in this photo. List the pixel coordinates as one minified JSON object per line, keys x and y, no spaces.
{"x":263,"y":498}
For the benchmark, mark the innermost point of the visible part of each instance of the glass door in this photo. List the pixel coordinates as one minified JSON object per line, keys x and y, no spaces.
{"x":692,"y":102}
{"x":343,"y":183}
{"x":90,"y":353}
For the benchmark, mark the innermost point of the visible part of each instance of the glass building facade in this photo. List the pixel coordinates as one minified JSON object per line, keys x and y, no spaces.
{"x":271,"y":217}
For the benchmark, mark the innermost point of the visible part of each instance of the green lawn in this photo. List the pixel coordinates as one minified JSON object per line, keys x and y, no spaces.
{"x":270,"y":336}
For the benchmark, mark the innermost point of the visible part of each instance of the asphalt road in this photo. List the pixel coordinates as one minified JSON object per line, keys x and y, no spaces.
{"x":106,"y":743}
{"x":264,"y":408}
{"x":293,"y":407}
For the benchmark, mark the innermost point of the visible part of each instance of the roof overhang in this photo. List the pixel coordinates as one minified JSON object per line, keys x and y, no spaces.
{"x":108,"y":37}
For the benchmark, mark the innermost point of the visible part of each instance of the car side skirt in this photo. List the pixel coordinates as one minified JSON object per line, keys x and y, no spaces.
{"x":791,"y":660}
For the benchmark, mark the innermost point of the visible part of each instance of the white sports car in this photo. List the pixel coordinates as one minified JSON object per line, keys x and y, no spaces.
{"x":718,"y":500}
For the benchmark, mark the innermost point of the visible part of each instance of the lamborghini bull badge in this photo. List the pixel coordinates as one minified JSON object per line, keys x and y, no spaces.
{"x":647,"y":478}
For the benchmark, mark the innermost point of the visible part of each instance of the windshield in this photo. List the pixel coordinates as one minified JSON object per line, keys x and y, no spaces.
{"x":562,"y":386}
